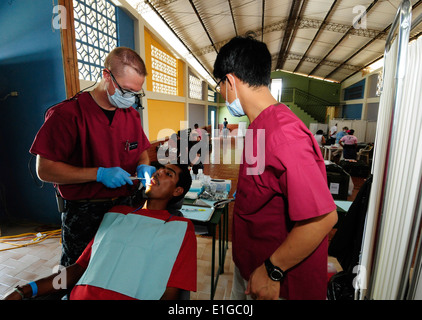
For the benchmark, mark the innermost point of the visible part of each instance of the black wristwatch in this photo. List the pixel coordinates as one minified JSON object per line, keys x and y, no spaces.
{"x":274,"y":272}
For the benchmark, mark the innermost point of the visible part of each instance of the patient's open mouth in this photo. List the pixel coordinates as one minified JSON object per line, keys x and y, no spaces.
{"x":154,"y":181}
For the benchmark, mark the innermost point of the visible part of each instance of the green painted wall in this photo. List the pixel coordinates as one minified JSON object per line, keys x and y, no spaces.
{"x":223,"y":112}
{"x":322,"y":89}
{"x":302,"y":115}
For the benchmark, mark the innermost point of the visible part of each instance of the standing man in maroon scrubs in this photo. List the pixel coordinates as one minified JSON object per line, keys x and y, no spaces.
{"x":283,"y":211}
{"x":90,"y":145}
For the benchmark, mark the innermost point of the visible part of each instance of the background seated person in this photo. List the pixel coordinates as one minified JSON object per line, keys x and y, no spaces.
{"x":144,"y":253}
{"x":196,"y":162}
{"x":319,"y":137}
{"x":349,"y":143}
{"x":341,"y":134}
{"x":197,"y":130}
{"x":173,"y":151}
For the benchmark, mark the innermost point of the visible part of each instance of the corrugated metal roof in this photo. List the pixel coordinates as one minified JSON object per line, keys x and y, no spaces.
{"x":321,"y":38}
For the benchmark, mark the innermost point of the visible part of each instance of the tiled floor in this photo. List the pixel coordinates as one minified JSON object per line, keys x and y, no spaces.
{"x":19,"y":266}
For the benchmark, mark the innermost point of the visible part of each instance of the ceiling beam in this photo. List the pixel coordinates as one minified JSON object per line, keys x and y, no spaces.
{"x":302,"y":9}
{"x":358,"y":51}
{"x":364,"y":67}
{"x":160,"y":3}
{"x":203,"y":25}
{"x":291,"y":23}
{"x":298,"y":56}
{"x":262,"y":22}
{"x":234,"y":21}
{"x":381,"y":56}
{"x":345,"y":35}
{"x":302,"y":24}
{"x":153,"y":8}
{"x":316,"y":35}
{"x":379,"y":36}
{"x":176,"y":35}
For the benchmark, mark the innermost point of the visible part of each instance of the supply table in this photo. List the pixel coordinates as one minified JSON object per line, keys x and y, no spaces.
{"x":330,"y":149}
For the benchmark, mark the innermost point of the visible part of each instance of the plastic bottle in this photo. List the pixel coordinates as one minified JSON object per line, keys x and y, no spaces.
{"x":200,"y":175}
{"x":192,"y":175}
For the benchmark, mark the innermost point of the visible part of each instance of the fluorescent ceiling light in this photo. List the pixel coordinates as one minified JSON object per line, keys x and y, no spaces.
{"x":161,"y":28}
{"x":376,"y":65}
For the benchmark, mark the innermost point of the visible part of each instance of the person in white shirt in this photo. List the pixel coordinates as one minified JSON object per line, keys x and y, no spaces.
{"x":333,"y":133}
{"x":319,"y":137}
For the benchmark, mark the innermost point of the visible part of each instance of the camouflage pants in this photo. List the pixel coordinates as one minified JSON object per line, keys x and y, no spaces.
{"x":80,"y":222}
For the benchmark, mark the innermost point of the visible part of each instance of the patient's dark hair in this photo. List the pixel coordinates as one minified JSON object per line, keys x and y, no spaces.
{"x":185,"y":181}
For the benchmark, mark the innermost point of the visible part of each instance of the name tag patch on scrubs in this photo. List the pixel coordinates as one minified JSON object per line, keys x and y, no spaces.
{"x":131,"y":145}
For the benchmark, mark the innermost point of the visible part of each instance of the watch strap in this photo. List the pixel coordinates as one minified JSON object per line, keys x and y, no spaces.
{"x":274,"y":270}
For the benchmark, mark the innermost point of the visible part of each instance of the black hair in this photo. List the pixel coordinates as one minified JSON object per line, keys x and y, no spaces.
{"x":247,"y":58}
{"x":184,"y":181}
{"x":320,"y":132}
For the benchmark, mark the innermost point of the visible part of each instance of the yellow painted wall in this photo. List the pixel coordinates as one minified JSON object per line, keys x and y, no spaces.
{"x":150,"y":40}
{"x":164,"y":115}
{"x":180,"y":77}
{"x":148,"y":63}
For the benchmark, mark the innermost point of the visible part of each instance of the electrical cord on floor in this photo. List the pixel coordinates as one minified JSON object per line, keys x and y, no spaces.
{"x":28,"y":238}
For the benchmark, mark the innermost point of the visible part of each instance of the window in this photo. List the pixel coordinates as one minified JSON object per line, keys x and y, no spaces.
{"x":164,"y":72}
{"x":211,"y":96}
{"x":195,"y":87}
{"x":96,"y":35}
{"x":355,"y":91}
{"x":276,"y":88}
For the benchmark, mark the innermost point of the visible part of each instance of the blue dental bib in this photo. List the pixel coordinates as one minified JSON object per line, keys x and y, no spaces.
{"x":134,"y":255}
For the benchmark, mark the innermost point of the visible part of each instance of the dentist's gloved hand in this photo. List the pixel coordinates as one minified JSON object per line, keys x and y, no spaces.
{"x":113,"y":177}
{"x":145,"y":171}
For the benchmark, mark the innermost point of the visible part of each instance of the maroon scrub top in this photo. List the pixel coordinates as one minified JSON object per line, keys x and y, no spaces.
{"x":290,"y":185}
{"x":78,"y":132}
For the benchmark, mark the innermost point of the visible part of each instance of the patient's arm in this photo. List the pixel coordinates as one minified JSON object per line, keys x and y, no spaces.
{"x":47,"y":285}
{"x":171,"y":294}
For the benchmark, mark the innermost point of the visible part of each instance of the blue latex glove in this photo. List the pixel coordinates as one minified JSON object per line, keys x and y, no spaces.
{"x":234,"y":195}
{"x":113,"y":177}
{"x":145,"y":171}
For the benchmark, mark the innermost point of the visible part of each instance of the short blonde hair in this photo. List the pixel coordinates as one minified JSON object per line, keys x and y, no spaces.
{"x":120,"y":57}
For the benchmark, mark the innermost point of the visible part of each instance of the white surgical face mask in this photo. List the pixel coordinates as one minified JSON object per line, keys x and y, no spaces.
{"x":235,"y":108}
{"x":119,"y":101}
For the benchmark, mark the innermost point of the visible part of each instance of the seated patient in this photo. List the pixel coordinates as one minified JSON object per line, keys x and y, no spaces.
{"x":144,"y":253}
